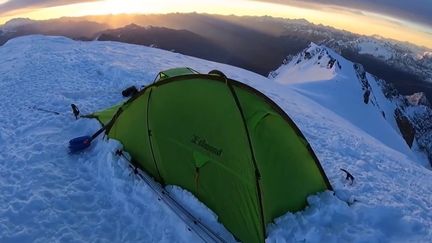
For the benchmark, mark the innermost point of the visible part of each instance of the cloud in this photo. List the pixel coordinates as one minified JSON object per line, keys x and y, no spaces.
{"x":20,"y":5}
{"x":418,"y":11}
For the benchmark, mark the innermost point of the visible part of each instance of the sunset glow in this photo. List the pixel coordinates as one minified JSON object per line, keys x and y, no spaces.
{"x":364,"y":23}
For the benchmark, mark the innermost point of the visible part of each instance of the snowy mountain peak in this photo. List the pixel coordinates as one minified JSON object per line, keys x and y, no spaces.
{"x":315,"y":63}
{"x":323,"y":56}
{"x":347,"y":89}
{"x":15,"y":23}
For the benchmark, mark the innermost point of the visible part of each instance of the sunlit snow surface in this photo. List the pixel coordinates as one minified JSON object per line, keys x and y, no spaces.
{"x":48,"y":195}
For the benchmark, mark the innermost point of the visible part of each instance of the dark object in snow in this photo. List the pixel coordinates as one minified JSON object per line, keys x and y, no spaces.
{"x":129,"y":92}
{"x":47,"y":111}
{"x":366,"y":96}
{"x":75,"y":111}
{"x":79,"y":144}
{"x":348,"y":177}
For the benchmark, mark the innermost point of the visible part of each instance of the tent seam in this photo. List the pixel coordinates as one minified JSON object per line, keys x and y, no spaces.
{"x":257,"y":172}
{"x":150,"y":138}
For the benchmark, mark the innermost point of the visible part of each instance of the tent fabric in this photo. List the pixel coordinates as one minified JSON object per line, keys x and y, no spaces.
{"x":225,"y":142}
{"x":175,"y":72}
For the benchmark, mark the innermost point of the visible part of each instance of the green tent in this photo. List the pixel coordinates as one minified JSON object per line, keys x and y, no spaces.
{"x":225,"y":142}
{"x":175,"y":72}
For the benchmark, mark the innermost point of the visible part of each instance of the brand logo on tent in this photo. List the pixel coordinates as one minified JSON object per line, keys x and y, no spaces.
{"x":205,"y":145}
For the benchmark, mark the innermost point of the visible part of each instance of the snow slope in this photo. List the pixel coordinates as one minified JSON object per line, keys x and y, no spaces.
{"x":332,"y":81}
{"x":48,"y":195}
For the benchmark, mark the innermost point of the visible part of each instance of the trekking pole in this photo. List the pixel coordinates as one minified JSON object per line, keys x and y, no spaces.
{"x":75,"y":111}
{"x":44,"y":110}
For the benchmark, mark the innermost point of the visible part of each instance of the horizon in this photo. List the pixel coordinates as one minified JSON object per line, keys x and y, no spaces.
{"x":348,"y":18}
{"x":204,"y":13}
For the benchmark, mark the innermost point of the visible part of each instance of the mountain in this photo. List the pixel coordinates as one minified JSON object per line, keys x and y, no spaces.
{"x":181,"y":41}
{"x":248,"y":48}
{"x":50,"y":195}
{"x":211,"y":26}
{"x":368,"y":102}
{"x":258,"y":44}
{"x":13,"y":24}
{"x":78,"y":29}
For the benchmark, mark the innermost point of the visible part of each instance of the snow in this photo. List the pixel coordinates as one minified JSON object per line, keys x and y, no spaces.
{"x":309,"y":72}
{"x":390,"y":198}
{"x":427,"y":54}
{"x":375,"y":48}
{"x":48,"y":195}
{"x":418,"y":99}
{"x":340,"y":91}
{"x":423,"y":55}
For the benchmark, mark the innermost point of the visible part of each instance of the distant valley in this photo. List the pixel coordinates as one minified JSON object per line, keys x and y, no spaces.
{"x":259,"y":44}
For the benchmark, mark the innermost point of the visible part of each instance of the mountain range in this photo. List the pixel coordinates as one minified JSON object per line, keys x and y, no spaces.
{"x":258,"y":44}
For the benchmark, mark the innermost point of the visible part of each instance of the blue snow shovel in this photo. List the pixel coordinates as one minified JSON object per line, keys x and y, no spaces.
{"x":81,"y":143}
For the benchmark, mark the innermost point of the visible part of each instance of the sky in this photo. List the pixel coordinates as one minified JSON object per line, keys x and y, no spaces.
{"x":397,"y":19}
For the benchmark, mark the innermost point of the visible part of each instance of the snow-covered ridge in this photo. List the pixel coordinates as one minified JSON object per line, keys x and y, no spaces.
{"x":51,"y":196}
{"x":375,"y":48}
{"x":12,"y":24}
{"x":413,"y":59}
{"x":363,"y":97}
{"x":316,"y":63}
